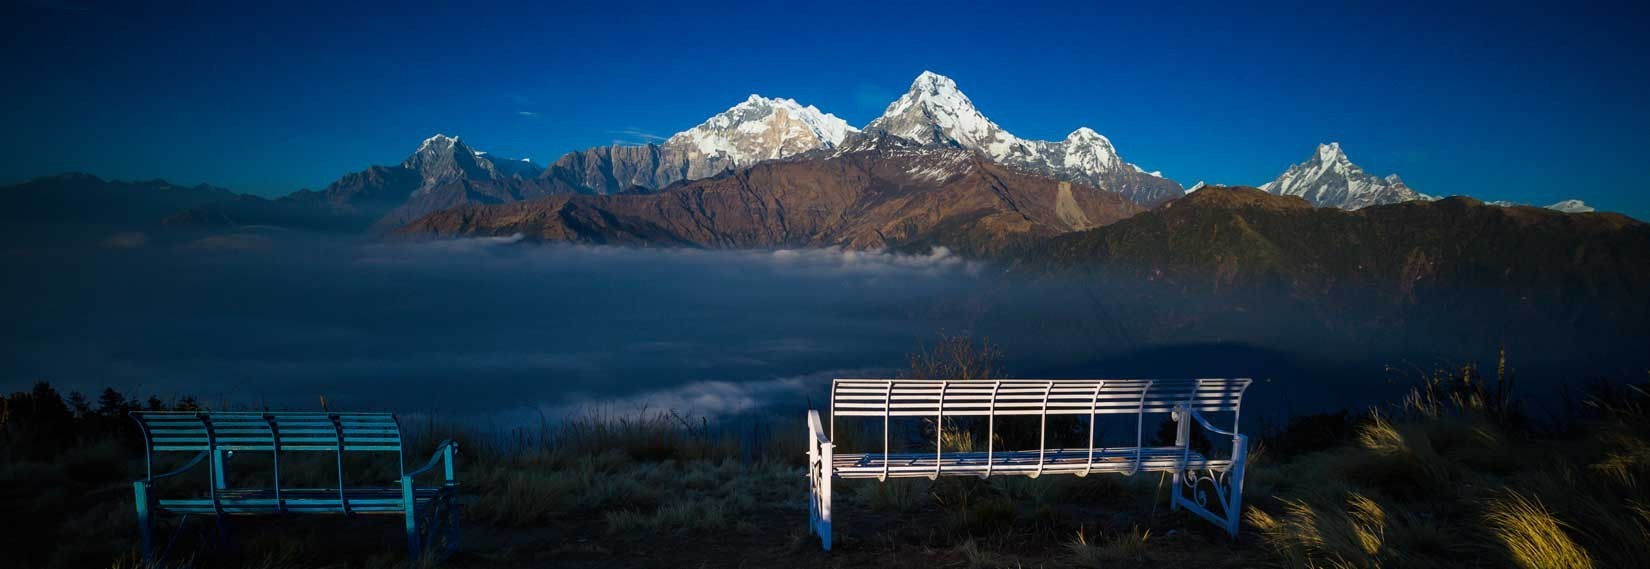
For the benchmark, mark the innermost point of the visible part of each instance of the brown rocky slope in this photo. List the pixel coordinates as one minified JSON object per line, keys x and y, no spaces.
{"x":889,"y":195}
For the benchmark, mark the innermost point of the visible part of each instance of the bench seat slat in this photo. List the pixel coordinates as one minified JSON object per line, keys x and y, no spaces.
{"x":1020,"y":412}
{"x":268,"y":447}
{"x":1012,"y":404}
{"x":242,"y":501}
{"x":1153,"y":459}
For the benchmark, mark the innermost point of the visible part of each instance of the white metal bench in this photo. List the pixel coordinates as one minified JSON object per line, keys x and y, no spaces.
{"x":888,"y":399}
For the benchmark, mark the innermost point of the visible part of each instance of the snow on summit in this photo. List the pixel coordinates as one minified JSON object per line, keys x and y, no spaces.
{"x":1330,"y":179}
{"x":935,"y":112}
{"x":759,"y":129}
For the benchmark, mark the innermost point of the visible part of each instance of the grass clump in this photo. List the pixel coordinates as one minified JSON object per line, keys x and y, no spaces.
{"x":1534,"y":538}
{"x":1128,"y":545}
{"x":525,"y":497}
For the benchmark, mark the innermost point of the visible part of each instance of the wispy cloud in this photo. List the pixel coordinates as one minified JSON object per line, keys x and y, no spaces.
{"x":528,"y":114}
{"x":711,"y":398}
{"x":634,"y":135}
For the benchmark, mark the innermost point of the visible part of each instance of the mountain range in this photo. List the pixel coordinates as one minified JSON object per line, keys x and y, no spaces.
{"x":931,"y":170}
{"x":891,"y":194}
{"x":1413,"y":277}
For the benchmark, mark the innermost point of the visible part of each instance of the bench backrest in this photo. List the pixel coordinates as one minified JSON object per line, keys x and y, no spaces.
{"x":979,"y":398}
{"x":961,"y":398}
{"x":216,"y":434}
{"x":268,"y":431}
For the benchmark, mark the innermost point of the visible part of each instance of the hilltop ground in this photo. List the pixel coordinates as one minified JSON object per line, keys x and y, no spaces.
{"x":1452,"y":476}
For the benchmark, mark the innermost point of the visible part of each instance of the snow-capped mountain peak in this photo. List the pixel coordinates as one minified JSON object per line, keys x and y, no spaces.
{"x":1330,"y":179}
{"x":760,"y":128}
{"x":1572,"y":206}
{"x":443,"y":157}
{"x":1566,"y":206}
{"x":1086,"y":133}
{"x":438,"y":141}
{"x":1089,"y":151}
{"x":1330,"y":152}
{"x":934,"y":111}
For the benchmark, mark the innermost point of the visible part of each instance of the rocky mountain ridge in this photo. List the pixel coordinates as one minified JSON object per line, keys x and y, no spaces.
{"x":894,"y":194}
{"x":934,"y":112}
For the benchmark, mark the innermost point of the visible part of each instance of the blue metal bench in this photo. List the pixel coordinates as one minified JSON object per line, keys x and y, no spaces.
{"x":216,"y":437}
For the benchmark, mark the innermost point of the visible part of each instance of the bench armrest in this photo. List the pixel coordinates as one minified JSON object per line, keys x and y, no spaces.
{"x":817,"y":428}
{"x":1205,"y":422}
{"x":443,"y":451}
{"x":185,"y":468}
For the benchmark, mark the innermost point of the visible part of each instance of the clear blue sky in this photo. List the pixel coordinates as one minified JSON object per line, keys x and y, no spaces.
{"x":1523,"y":102}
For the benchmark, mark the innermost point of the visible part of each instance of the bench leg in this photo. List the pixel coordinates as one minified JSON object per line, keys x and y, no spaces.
{"x":1227,"y":487}
{"x":1234,"y":510}
{"x":145,"y":518}
{"x":225,"y":531}
{"x":453,"y":529}
{"x":1182,"y":437}
{"x":414,"y":551}
{"x":819,"y":487}
{"x":825,"y":509}
{"x":1174,"y":491}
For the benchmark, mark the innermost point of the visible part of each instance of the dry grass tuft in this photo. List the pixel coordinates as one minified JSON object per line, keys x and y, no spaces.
{"x":1084,"y":552}
{"x":1129,"y":545}
{"x":1361,"y":532}
{"x":1534,"y":539}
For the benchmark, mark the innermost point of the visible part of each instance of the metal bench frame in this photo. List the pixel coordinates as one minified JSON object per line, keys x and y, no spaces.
{"x":1184,"y":400}
{"x":217,"y":436}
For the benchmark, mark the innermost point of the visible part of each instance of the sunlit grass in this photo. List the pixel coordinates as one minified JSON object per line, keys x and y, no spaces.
{"x":1533,"y":537}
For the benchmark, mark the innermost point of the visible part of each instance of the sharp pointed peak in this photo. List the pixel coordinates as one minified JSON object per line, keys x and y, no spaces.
{"x":1086,"y":133}
{"x":439,"y":138}
{"x":443,"y":143}
{"x":932,"y":80}
{"x":1331,"y":151}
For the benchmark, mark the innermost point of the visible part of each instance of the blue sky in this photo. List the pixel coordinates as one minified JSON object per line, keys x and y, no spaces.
{"x":1527,"y":102}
